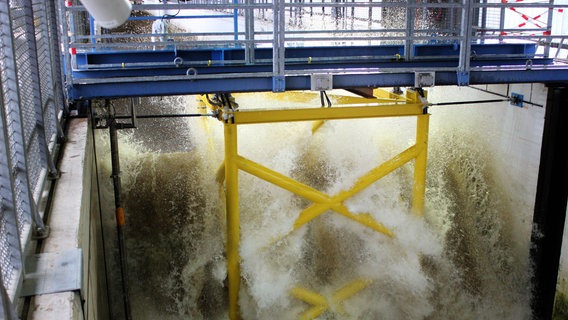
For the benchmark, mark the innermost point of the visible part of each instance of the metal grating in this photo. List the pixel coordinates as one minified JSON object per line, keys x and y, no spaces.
{"x":45,"y":67}
{"x":31,"y":96}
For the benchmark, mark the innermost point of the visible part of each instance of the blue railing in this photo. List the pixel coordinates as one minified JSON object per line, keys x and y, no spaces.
{"x":281,"y":44}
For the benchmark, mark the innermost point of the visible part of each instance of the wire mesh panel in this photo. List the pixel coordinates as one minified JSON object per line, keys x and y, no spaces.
{"x":10,"y":254}
{"x":29,"y":122}
{"x":45,"y":68}
{"x":9,"y":210}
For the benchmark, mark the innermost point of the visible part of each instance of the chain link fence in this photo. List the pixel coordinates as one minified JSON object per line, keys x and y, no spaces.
{"x":32,"y":100}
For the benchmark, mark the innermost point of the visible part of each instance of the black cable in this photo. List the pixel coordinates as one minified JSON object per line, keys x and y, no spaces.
{"x":323,"y":95}
{"x":181,"y":115}
{"x":468,"y":102}
{"x":169,"y":16}
{"x":217,"y":103}
{"x":506,"y":96}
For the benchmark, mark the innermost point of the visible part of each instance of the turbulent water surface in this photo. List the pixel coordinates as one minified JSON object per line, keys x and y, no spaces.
{"x":467,"y":258}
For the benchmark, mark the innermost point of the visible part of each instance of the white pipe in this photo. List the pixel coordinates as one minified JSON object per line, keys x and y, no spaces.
{"x":108,"y":13}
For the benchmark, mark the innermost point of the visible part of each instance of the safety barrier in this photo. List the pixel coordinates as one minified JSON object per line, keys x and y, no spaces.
{"x":414,"y":104}
{"x":285,"y":39}
{"x":31,"y":99}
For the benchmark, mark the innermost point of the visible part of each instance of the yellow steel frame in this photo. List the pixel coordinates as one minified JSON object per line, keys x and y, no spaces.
{"x":320,"y":303}
{"x":321,"y":202}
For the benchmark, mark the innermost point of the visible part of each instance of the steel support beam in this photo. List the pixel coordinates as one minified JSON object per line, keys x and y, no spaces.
{"x":550,"y":204}
{"x":120,"y":218}
{"x":414,"y":106}
{"x":233,"y":219}
{"x":310,"y":114}
{"x":165,"y":87}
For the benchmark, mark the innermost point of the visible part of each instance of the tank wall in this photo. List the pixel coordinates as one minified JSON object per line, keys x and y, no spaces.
{"x":511,"y":135}
{"x":511,"y":138}
{"x":73,"y":224}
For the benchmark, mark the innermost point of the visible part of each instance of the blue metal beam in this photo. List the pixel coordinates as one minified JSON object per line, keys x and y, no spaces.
{"x":301,"y":82}
{"x":154,"y":73}
{"x":101,"y":58}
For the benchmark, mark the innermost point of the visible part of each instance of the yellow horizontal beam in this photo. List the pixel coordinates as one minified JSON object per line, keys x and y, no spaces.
{"x":349,"y":100}
{"x":382,"y":93}
{"x":337,"y":99}
{"x":310,"y":114}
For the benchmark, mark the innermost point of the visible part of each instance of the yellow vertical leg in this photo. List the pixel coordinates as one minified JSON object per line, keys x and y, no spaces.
{"x":233,"y":228}
{"x":420,"y":164}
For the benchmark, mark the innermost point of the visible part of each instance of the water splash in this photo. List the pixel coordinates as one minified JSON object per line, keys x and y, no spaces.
{"x":455,"y":263}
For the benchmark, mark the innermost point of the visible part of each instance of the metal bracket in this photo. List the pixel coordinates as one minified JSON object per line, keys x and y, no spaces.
{"x":321,"y":82}
{"x":424,"y":79}
{"x":52,"y":272}
{"x":517,"y":99}
{"x":463,"y":78}
{"x":278,"y":84}
{"x":40,"y":233}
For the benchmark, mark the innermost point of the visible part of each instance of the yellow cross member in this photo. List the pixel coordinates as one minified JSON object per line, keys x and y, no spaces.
{"x":321,"y":304}
{"x":323,"y":202}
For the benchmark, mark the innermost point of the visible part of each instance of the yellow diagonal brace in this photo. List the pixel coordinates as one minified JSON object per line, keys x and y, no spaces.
{"x":347,"y":292}
{"x":350,"y":289}
{"x":310,"y":213}
{"x":281,"y":180}
{"x":312,"y":313}
{"x":364,"y":219}
{"x":309,"y":296}
{"x":385,"y":168}
{"x":377,"y":173}
{"x":319,"y":302}
{"x":316,"y":125}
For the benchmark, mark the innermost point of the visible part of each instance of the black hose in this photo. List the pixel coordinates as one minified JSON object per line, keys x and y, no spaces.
{"x":323,"y":95}
{"x":120,"y":220}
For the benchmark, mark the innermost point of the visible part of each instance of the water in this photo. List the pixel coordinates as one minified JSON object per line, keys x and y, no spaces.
{"x":467,"y":258}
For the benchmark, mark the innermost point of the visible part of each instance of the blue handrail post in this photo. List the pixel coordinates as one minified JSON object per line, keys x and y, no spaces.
{"x":236,"y":22}
{"x":92,"y":31}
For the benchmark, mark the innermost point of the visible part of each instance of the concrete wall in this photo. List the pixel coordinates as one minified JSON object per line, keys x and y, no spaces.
{"x":511,"y":137}
{"x":73,"y":226}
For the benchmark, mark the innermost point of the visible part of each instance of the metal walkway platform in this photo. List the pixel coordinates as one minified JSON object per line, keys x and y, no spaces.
{"x":352,"y":45}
